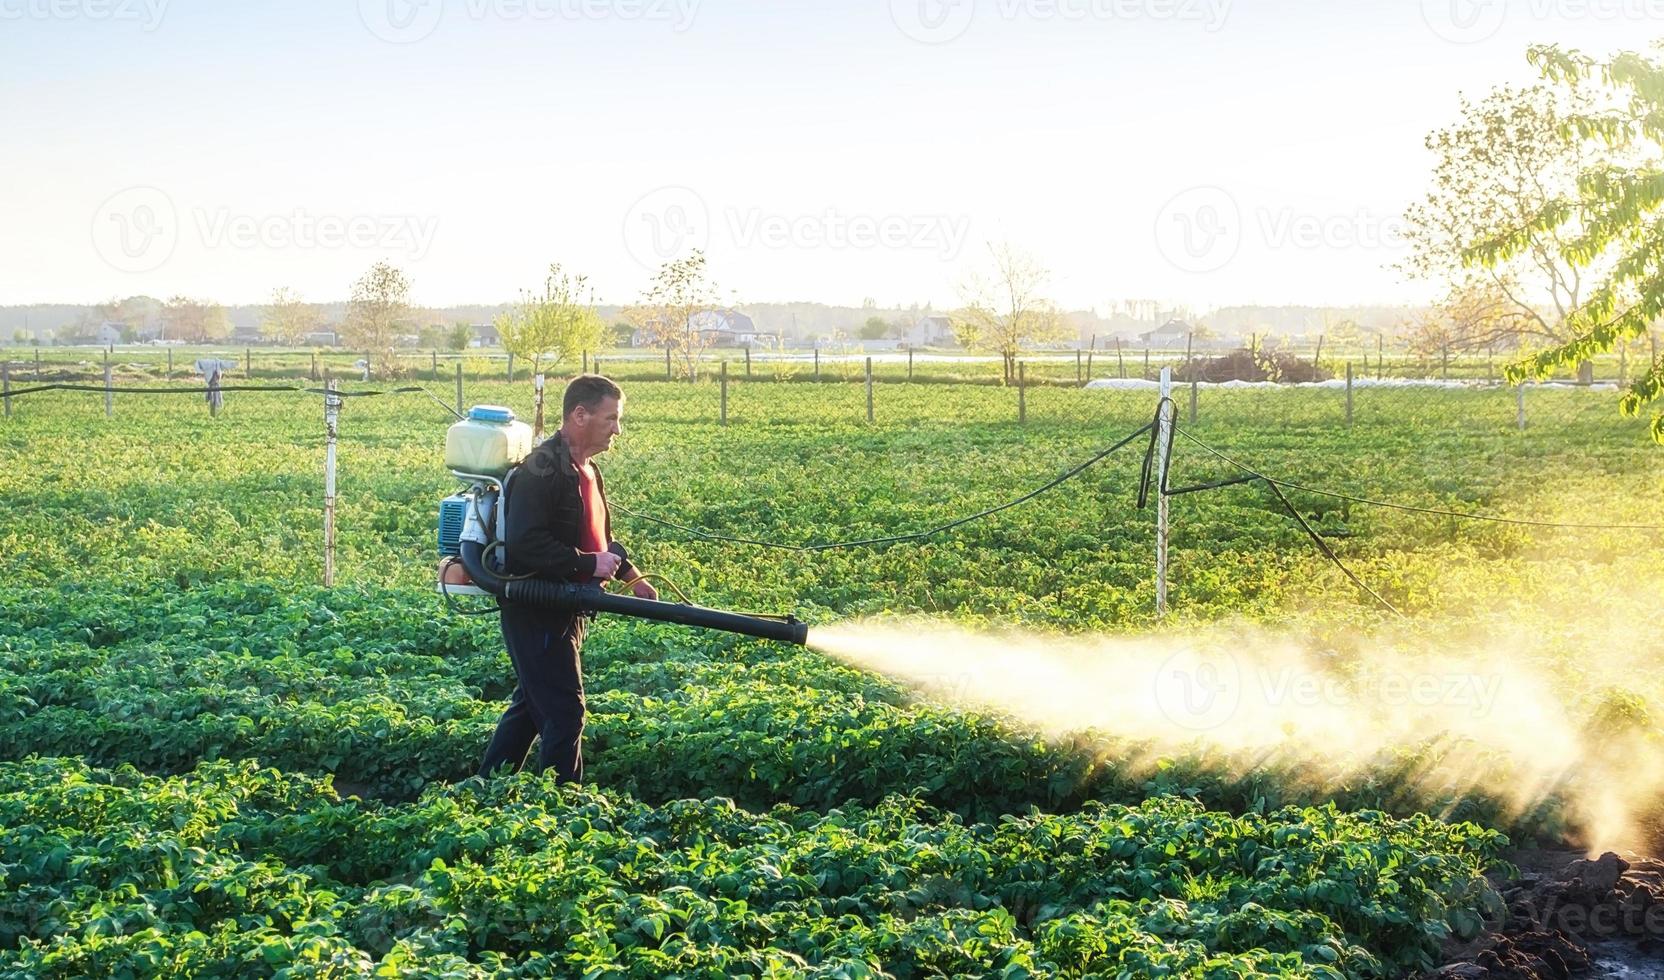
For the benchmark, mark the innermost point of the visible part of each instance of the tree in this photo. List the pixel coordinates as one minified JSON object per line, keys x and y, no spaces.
{"x":1612,"y":219}
{"x":380,"y":300}
{"x":288,"y":320}
{"x":194,"y":321}
{"x":460,"y":336}
{"x":432,"y":335}
{"x":666,"y":312}
{"x":557,"y":323}
{"x":875,"y":328}
{"x":1504,"y":161}
{"x":1004,"y":310}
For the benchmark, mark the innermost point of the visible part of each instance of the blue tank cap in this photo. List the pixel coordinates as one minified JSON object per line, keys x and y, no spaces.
{"x":491,"y":413}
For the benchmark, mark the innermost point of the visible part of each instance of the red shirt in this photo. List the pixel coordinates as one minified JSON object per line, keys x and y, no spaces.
{"x":592,"y":531}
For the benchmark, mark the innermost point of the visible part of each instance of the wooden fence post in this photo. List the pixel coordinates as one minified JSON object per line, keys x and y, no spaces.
{"x":109,"y":394}
{"x":724,"y":417}
{"x":435,"y":370}
{"x":166,"y":377}
{"x":6,"y":384}
{"x":869,"y":388}
{"x":248,"y":362}
{"x":909,"y":363}
{"x":332,"y":413}
{"x":1519,"y":406}
{"x":1022,"y":394}
{"x":459,"y":386}
{"x":817,"y":363}
{"x":1078,"y":366}
{"x":586,"y":362}
{"x":1120,"y":357}
{"x":748,"y":360}
{"x":510,"y":367}
{"x":667,"y":374}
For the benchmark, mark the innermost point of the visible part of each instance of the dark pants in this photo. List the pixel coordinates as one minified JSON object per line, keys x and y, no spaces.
{"x":548,"y":703}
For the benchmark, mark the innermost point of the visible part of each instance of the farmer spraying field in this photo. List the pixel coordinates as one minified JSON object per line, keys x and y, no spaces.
{"x":534,"y":531}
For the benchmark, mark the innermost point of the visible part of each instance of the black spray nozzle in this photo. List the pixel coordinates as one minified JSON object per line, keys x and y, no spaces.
{"x":574,"y":597}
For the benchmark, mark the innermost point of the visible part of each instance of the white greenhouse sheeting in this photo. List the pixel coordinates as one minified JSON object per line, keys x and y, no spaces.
{"x":1142,"y":384}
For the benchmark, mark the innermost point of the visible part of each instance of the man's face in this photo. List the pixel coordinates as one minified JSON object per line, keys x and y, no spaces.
{"x":596,"y":428}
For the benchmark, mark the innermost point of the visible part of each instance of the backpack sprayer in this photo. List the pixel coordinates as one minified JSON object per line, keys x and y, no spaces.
{"x":481,"y":450}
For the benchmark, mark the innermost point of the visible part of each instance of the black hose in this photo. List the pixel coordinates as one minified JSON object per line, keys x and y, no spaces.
{"x":575,"y":598}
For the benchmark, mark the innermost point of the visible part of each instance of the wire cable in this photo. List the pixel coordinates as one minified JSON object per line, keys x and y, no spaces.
{"x":1289,"y":484}
{"x":896,"y":538}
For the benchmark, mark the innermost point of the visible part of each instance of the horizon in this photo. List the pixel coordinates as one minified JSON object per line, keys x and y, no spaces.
{"x":838,"y":153}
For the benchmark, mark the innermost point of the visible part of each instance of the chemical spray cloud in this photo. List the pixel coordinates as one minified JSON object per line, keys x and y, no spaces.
{"x":1488,"y":721}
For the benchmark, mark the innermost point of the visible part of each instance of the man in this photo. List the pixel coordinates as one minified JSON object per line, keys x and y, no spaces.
{"x":557,"y":526}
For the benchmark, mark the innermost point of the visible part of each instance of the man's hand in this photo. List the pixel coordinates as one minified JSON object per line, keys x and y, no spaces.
{"x":644,"y":589}
{"x":606,"y":564}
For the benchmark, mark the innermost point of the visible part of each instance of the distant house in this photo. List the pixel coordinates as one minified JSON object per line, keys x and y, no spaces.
{"x":485,"y":335}
{"x":931,"y":331}
{"x":724,"y":328}
{"x":249,"y":334}
{"x":108,"y":333}
{"x":1173,"y":333}
{"x":323,"y":338}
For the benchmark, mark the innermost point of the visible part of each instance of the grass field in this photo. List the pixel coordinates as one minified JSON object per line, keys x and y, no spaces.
{"x":212,"y":764}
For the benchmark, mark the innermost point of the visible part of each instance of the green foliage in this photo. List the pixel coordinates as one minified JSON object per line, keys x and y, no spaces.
{"x":238,"y":870}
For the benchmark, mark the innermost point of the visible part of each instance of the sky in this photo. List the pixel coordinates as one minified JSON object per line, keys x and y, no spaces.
{"x":1195,"y":152}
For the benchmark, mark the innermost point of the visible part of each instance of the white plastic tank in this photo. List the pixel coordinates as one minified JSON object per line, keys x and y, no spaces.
{"x":487,"y":442}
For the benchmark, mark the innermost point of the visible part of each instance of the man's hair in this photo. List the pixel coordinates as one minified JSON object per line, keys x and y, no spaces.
{"x":588,"y":390}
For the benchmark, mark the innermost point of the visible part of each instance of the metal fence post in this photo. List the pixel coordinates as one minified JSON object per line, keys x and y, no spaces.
{"x":1146,"y":373}
{"x":6,"y":384}
{"x":1120,"y":357}
{"x":724,"y":417}
{"x":909,"y":363}
{"x":166,"y":377}
{"x":1089,"y":353}
{"x":1164,"y":427}
{"x":435,"y":355}
{"x":1077,"y":366}
{"x":869,"y":388}
{"x":748,"y":360}
{"x":109,"y":394}
{"x":314,"y":365}
{"x":459,"y":387}
{"x":1022,"y":394}
{"x":1349,"y":394}
{"x":332,"y":413}
{"x":248,"y":362}
{"x":817,"y":363}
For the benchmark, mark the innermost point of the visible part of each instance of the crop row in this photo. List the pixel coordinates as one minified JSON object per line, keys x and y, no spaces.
{"x":236,"y":870}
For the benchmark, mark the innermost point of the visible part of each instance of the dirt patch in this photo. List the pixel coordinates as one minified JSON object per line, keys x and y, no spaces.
{"x":1602,"y":917}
